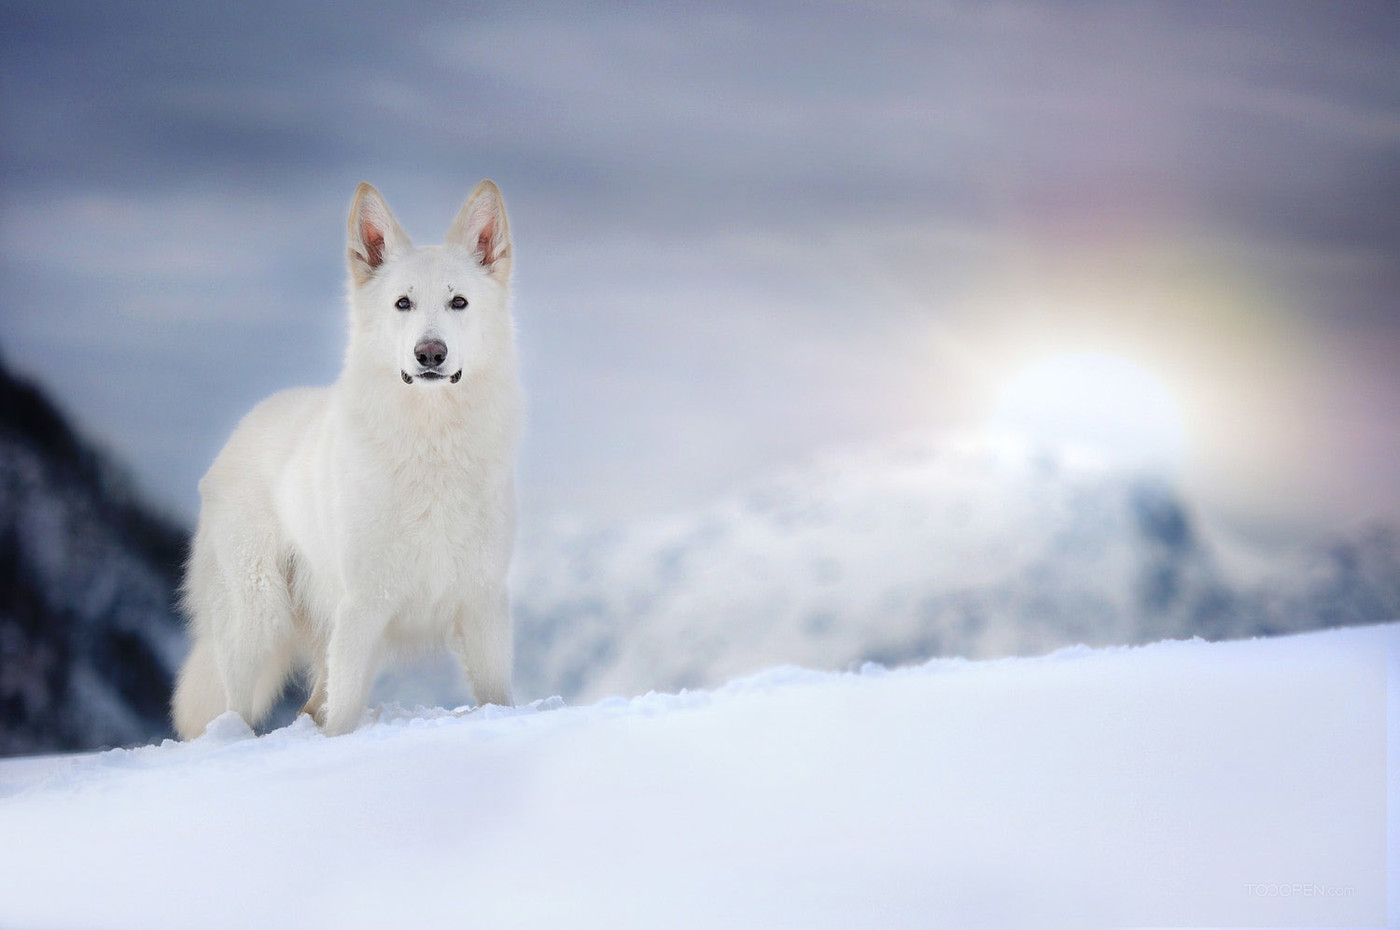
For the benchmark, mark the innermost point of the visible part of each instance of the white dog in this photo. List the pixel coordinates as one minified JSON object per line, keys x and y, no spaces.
{"x":378,"y":513}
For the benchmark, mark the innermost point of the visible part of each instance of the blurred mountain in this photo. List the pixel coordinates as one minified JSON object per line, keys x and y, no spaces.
{"x":895,"y":554}
{"x":89,"y":637}
{"x":927,"y":547}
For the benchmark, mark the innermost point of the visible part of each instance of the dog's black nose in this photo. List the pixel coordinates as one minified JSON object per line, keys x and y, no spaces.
{"x":431,"y":353}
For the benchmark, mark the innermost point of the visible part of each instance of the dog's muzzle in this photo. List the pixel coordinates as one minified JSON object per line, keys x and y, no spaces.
{"x":431,"y":355}
{"x":431,"y":376}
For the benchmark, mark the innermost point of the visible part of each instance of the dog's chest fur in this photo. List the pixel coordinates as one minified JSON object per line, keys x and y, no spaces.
{"x":438,"y":479}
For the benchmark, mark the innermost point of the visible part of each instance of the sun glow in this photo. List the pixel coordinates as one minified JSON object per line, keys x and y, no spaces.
{"x":1099,"y":402}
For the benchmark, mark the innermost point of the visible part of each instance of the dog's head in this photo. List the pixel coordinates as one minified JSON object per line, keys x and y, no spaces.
{"x":434,"y":315}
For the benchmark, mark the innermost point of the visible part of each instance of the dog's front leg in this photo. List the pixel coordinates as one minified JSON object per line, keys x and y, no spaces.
{"x":352,"y":657}
{"x":482,"y":640}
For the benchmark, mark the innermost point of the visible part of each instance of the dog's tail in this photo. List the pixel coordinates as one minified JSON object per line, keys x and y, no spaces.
{"x":199,"y":692}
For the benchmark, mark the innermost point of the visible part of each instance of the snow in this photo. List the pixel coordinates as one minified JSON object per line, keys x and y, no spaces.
{"x":1180,"y":783}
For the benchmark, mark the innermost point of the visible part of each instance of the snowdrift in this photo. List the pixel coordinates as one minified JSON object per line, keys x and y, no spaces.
{"x":1182,"y":783}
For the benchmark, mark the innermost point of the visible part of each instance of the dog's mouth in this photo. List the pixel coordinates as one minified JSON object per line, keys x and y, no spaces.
{"x":431,"y":376}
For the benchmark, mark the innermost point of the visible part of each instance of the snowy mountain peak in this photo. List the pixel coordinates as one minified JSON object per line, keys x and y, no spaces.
{"x":929,"y":546}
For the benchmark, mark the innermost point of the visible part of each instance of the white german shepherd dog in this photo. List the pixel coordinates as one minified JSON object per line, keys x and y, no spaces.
{"x":377,"y":514}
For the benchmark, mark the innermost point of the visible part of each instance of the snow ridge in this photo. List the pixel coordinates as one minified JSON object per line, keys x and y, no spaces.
{"x":1182,"y":783}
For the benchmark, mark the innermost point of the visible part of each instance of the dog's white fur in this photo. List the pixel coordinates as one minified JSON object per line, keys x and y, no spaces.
{"x":376,"y":514}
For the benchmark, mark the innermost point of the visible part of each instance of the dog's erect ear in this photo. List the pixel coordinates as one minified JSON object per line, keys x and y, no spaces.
{"x":374,"y":233}
{"x":481,"y":228}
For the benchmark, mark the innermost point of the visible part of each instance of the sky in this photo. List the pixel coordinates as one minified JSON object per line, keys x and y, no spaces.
{"x":745,"y":233}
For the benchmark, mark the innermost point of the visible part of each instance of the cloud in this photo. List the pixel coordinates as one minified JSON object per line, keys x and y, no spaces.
{"x":173,"y":239}
{"x":759,"y":228}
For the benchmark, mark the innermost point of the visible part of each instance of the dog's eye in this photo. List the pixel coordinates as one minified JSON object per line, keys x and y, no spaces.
{"x":403,"y":303}
{"x":459,"y":302}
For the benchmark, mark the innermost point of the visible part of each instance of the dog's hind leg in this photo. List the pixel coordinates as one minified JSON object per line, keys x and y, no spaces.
{"x":199,"y":692}
{"x":316,"y":701}
{"x":250,"y":622}
{"x":271,"y":682}
{"x":255,"y":660}
{"x":200,"y":695}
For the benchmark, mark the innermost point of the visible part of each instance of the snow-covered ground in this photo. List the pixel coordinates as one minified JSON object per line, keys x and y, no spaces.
{"x":1182,"y":783}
